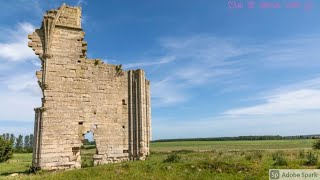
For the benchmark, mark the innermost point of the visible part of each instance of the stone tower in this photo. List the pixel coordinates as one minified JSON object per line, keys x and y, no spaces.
{"x":82,"y":95}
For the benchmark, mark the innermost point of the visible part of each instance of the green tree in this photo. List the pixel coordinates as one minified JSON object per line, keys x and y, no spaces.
{"x":31,"y":141}
{"x":7,"y":138}
{"x":19,"y":143}
{"x":6,"y":150}
{"x":27,"y":143}
{"x":12,"y":138}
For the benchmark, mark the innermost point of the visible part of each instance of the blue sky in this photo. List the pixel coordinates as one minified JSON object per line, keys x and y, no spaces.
{"x":214,"y":70}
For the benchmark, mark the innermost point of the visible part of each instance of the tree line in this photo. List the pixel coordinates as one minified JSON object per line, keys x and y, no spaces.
{"x":242,"y":138}
{"x":20,"y":144}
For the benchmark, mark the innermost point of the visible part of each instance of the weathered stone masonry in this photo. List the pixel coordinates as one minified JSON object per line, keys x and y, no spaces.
{"x":82,"y":95}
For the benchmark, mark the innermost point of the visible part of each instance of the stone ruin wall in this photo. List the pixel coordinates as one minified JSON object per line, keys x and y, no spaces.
{"x":82,"y":95}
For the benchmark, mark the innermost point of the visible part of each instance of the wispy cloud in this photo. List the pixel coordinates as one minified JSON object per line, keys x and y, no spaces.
{"x":18,"y":106}
{"x":285,"y":103}
{"x":25,"y":130}
{"x":206,"y":60}
{"x":297,"y":98}
{"x":188,"y":62}
{"x":15,"y":47}
{"x":151,"y":62}
{"x":293,"y":109}
{"x":167,"y":92}
{"x":26,"y":83}
{"x":19,"y":91}
{"x":81,"y":2}
{"x":299,"y":51}
{"x":200,"y":75}
{"x":215,"y":51}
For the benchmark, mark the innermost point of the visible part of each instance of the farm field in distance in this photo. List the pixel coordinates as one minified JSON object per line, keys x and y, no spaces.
{"x":185,"y":160}
{"x":232,"y":145}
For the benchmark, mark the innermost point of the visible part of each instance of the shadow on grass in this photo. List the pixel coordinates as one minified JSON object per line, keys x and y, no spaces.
{"x":26,"y":172}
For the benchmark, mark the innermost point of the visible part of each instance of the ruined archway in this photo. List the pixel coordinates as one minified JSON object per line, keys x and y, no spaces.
{"x":88,"y":150}
{"x":79,"y":92}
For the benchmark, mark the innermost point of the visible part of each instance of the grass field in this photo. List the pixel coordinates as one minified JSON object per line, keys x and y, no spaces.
{"x":18,"y":164}
{"x":192,"y":160}
{"x":232,"y":145}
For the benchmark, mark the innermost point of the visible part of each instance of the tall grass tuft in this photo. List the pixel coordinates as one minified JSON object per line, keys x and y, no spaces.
{"x":173,"y":157}
{"x":256,"y":155}
{"x":87,"y":163}
{"x":278,"y":158}
{"x":316,"y":144}
{"x":302,"y":154}
{"x":312,"y":159}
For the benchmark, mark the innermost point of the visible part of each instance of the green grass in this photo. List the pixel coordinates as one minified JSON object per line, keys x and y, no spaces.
{"x":232,"y":145}
{"x":214,"y":160}
{"x":20,"y":163}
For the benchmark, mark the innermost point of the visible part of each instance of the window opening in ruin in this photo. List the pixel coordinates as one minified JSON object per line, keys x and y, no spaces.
{"x":124,"y":102}
{"x":88,"y":150}
{"x":75,"y":151}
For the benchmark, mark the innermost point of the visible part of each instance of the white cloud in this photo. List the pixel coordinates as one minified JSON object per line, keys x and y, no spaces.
{"x":299,"y":51}
{"x":199,"y":60}
{"x":166,"y":92}
{"x":301,"y":98}
{"x":36,"y":62}
{"x":198,"y":75}
{"x":313,"y":83}
{"x":292,"y":109}
{"x":19,"y":91}
{"x":19,"y":95}
{"x":23,"y":83}
{"x":212,"y":50}
{"x":16,"y":130}
{"x":84,"y":19}
{"x":284,"y":103}
{"x":81,"y":2}
{"x":189,"y":62}
{"x":15,"y":48}
{"x":151,"y":62}
{"x":18,"y":106}
{"x":207,"y":60}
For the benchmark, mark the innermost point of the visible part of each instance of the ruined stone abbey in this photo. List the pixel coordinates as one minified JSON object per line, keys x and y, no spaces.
{"x":82,"y":95}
